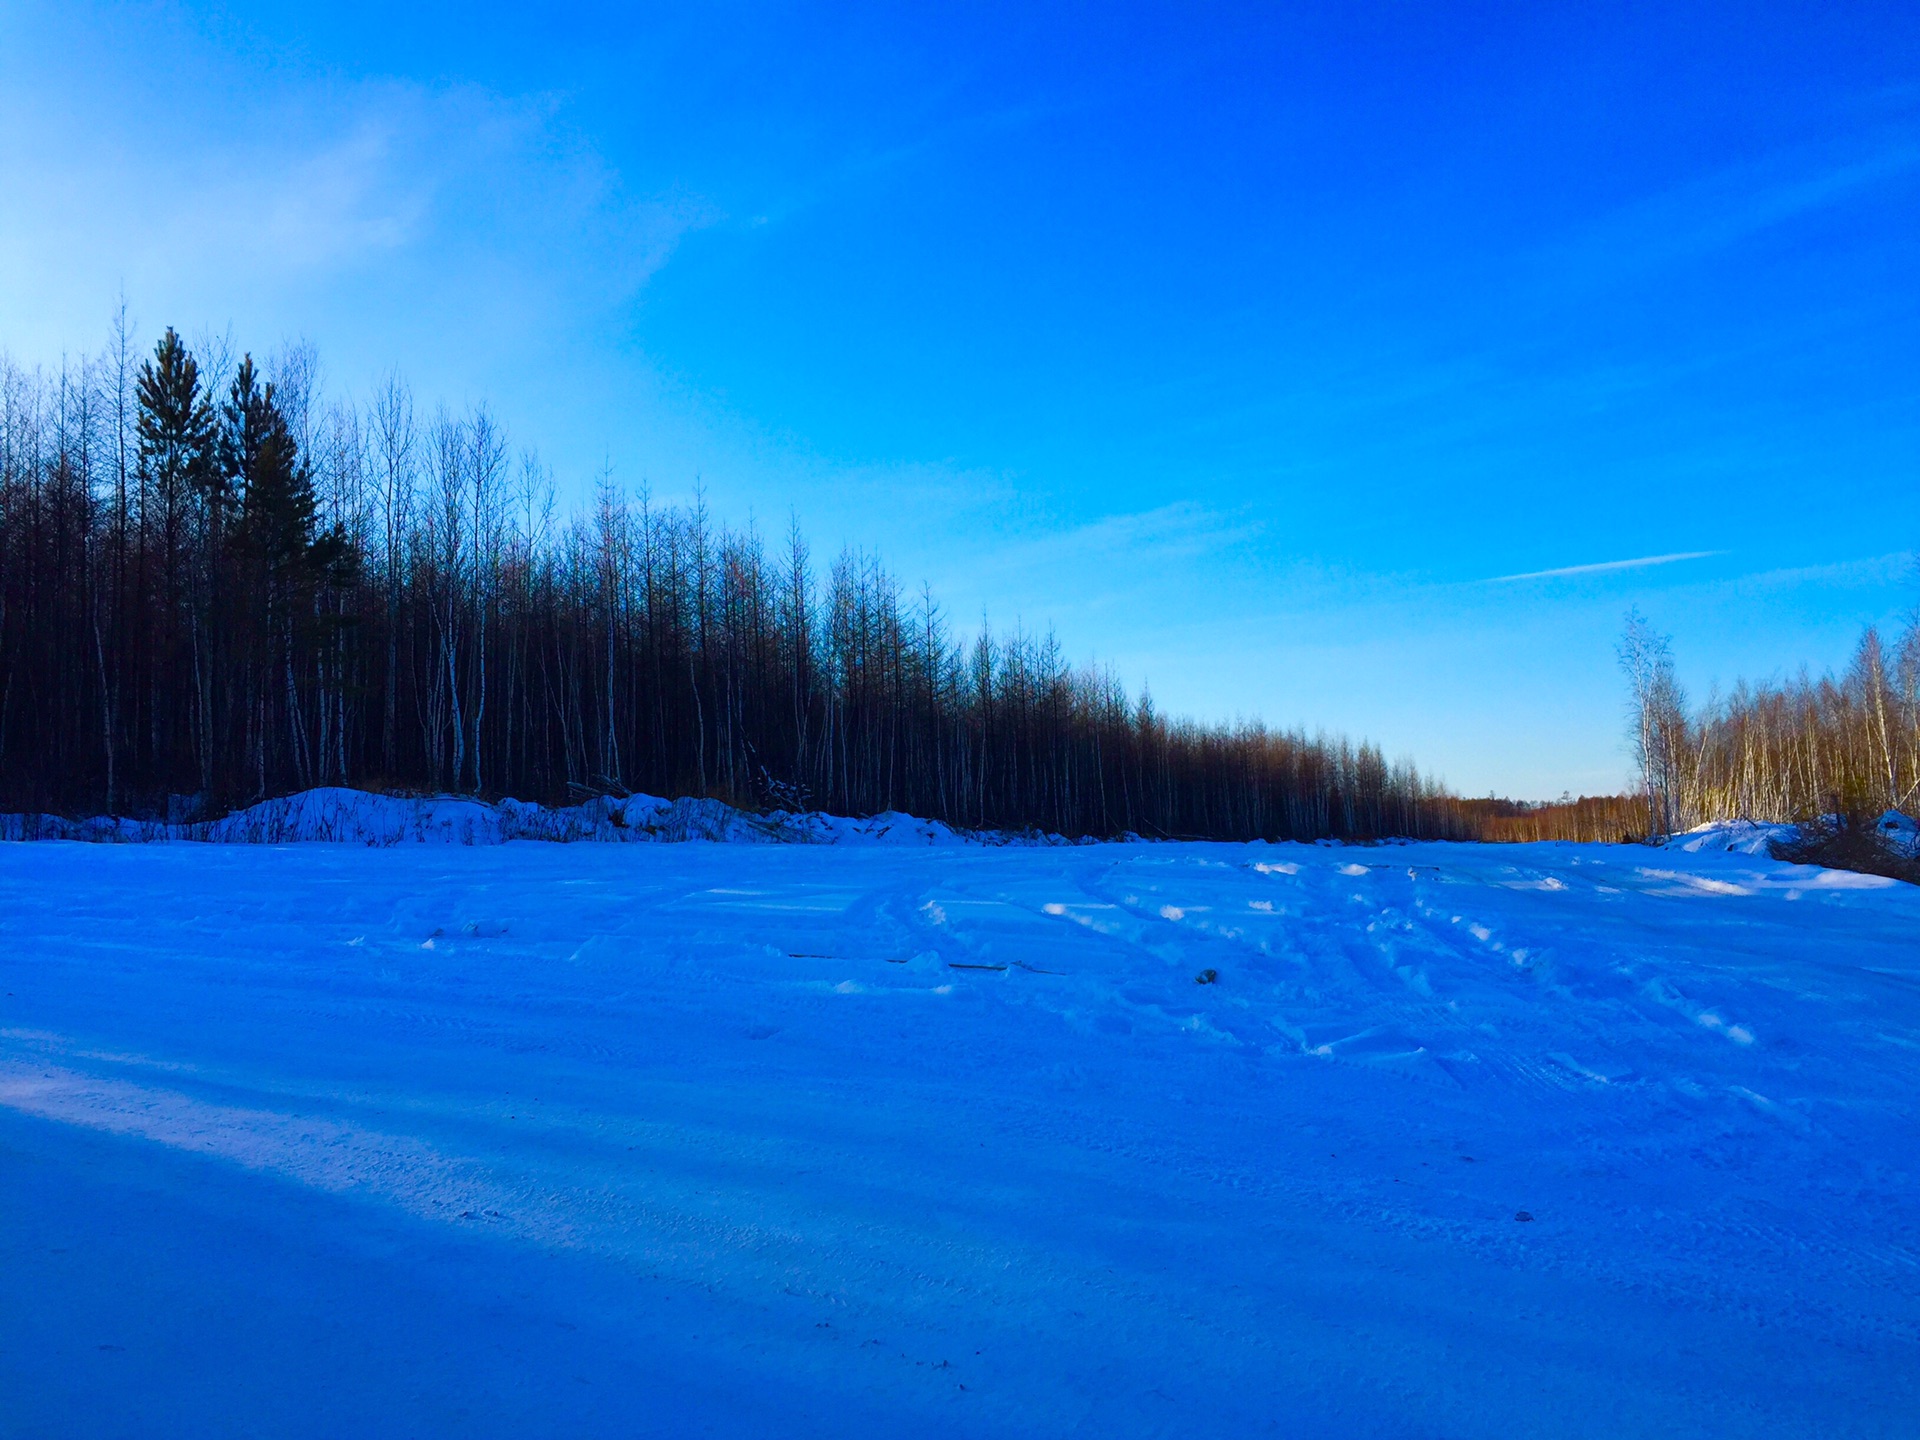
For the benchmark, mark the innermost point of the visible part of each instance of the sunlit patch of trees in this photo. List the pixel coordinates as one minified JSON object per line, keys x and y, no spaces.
{"x":215,"y":587}
{"x":1605,"y":819}
{"x":1787,"y":750}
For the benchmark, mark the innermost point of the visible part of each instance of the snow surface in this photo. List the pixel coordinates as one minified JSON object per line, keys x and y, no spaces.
{"x":876,"y":1140}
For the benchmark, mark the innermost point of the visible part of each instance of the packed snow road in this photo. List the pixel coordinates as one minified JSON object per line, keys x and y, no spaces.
{"x":673,"y":1140}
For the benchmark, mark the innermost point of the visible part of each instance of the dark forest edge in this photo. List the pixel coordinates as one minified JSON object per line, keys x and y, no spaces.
{"x":217,"y":588}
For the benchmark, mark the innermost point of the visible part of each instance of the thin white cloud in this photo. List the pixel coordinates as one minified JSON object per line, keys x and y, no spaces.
{"x":1605,"y":567}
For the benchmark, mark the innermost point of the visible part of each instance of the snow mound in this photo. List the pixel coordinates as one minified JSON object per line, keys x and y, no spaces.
{"x":890,"y":827}
{"x":337,"y":815}
{"x":1738,"y":837}
{"x":1751,"y":837}
{"x":1900,"y":833}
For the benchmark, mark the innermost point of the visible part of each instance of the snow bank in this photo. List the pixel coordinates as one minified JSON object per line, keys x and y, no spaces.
{"x":1900,"y":833}
{"x":356,"y":817}
{"x":337,"y":815}
{"x":1751,"y":837}
{"x":1737,"y":837}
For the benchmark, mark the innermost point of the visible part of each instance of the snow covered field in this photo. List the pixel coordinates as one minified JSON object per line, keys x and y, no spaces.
{"x":534,"y":1139}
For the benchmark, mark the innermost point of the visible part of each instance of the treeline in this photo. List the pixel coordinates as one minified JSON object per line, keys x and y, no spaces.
{"x":1789,"y":750}
{"x":1605,"y":819}
{"x":215,"y":588}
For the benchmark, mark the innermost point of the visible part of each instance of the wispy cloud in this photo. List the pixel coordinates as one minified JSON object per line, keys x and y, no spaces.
{"x":1898,"y":568}
{"x":1124,"y":544}
{"x":1714,"y":212}
{"x":1129,"y":560}
{"x":274,"y":204}
{"x":1605,"y":567}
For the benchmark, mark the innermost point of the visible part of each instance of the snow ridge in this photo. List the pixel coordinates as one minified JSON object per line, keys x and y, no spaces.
{"x":337,"y":815}
{"x":1754,"y":837}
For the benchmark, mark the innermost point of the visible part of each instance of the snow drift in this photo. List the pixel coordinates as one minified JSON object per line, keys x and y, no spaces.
{"x":358,"y":817}
{"x":1896,"y":832}
{"x":337,"y":815}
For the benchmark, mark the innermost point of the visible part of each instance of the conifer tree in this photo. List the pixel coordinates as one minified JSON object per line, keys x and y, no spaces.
{"x":175,"y":429}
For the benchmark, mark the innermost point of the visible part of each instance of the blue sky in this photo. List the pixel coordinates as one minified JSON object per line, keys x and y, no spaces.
{"x":1258,"y":351}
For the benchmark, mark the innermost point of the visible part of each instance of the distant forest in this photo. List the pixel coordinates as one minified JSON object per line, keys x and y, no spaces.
{"x":1826,"y":749}
{"x":215,"y":587}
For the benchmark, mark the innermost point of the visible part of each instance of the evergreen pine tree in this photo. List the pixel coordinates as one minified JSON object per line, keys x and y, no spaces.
{"x":175,"y":431}
{"x":175,"y":426}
